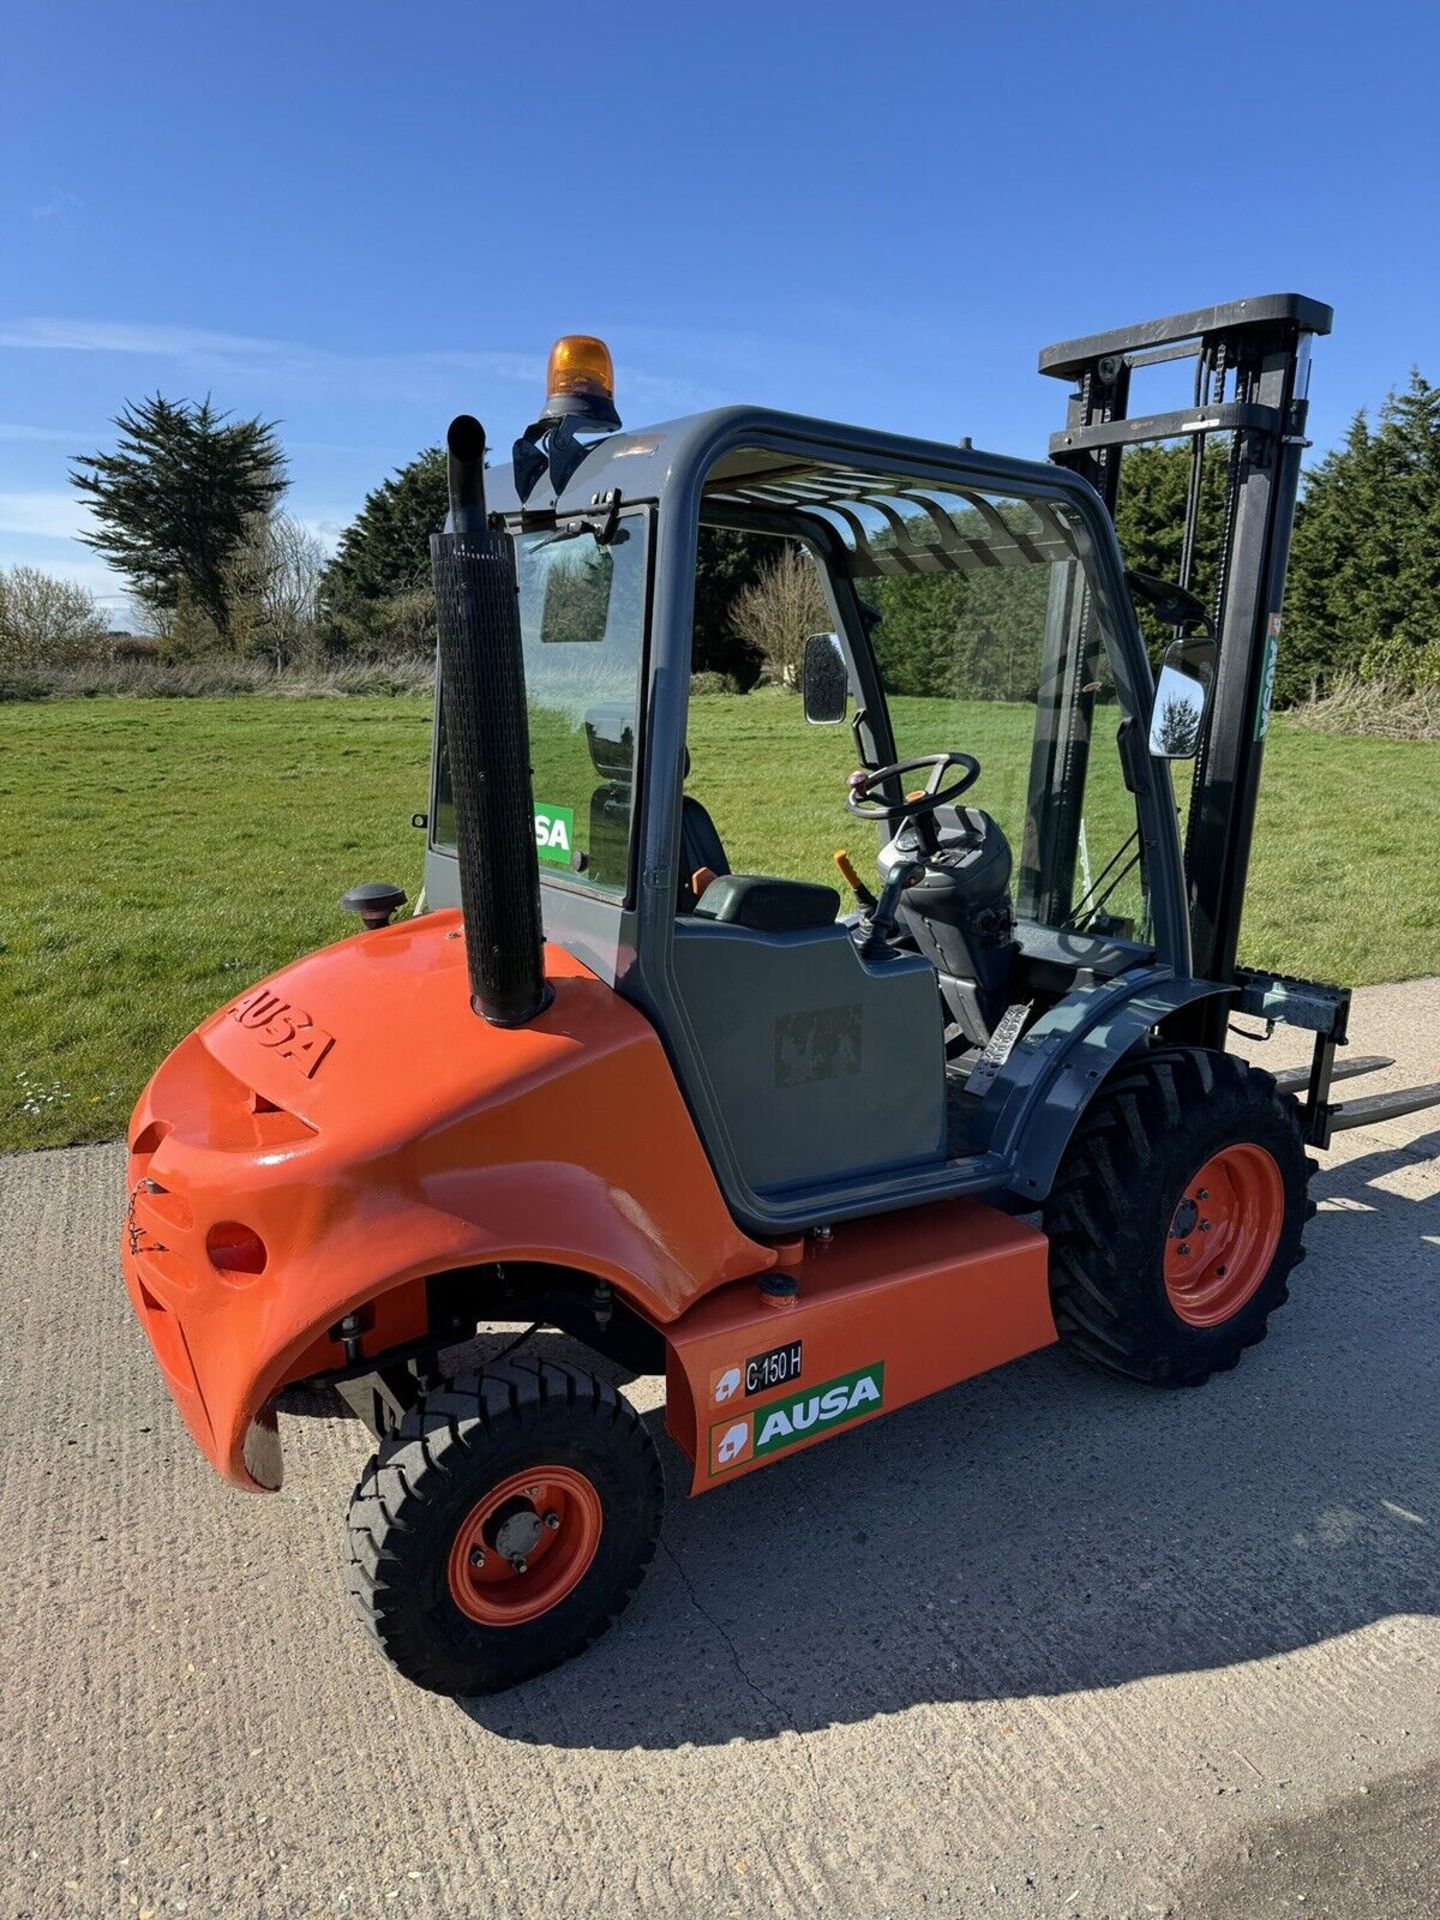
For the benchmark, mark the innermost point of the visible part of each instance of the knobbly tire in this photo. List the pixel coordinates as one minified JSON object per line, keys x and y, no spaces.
{"x":504,"y":1526}
{"x":1176,"y":1219}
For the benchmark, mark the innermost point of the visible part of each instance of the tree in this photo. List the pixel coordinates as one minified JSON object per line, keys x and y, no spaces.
{"x":45,"y":622}
{"x":1150,"y":521}
{"x":385,"y":550}
{"x":375,"y":594}
{"x":916,"y":640}
{"x":573,"y":590}
{"x":174,"y":502}
{"x":1363,"y":597}
{"x":726,"y":563}
{"x":1179,"y":728}
{"x":274,"y":581}
{"x":775,"y":615}
{"x":1364,"y":593}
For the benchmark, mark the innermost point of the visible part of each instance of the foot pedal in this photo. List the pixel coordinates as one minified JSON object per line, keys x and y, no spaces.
{"x":1001,"y":1045}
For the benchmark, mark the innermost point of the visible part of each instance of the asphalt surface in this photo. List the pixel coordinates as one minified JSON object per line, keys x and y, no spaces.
{"x":1044,"y":1644}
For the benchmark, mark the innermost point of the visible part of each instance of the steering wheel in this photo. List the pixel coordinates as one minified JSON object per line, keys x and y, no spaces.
{"x":919,"y":807}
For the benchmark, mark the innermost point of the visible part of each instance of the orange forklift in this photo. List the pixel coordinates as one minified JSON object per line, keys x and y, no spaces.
{"x":810,"y":1163}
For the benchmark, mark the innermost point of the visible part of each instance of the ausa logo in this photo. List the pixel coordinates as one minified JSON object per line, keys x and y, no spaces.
{"x":785,"y":1423}
{"x":555,"y":834}
{"x":276,"y":1023}
{"x":730,"y":1445}
{"x":1267,"y":678}
{"x":725,"y":1383}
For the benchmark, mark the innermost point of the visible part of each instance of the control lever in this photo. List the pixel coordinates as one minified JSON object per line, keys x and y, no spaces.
{"x":881,"y":922}
{"x":852,"y":880}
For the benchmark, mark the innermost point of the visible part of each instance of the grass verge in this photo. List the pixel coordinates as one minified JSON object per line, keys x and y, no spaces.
{"x":156,"y":856}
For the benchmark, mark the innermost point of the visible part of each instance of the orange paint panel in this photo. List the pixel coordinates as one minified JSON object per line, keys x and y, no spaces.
{"x":360,"y":1120}
{"x":890,"y":1309}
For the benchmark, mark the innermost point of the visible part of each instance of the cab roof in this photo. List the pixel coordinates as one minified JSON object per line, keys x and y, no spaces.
{"x":786,"y":459}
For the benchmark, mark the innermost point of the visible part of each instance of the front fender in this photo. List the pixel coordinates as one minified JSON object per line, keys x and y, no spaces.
{"x":1041,"y":1093}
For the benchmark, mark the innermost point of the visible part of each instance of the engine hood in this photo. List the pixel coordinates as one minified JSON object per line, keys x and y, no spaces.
{"x":376,"y":1035}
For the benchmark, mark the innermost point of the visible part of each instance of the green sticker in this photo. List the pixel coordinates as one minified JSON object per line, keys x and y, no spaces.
{"x":555,"y":834}
{"x":785,"y":1422}
{"x":1267,"y":678}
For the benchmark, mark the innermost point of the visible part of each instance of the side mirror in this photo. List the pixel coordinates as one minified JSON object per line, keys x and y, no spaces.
{"x":1181,"y":694}
{"x":824,"y":681}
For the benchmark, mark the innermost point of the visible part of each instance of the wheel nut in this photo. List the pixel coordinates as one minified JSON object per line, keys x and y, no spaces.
{"x":477,"y":1556}
{"x":552,"y":1520}
{"x":1203,"y":1194}
{"x":519,"y":1563}
{"x":1204,"y":1226}
{"x":1184,"y":1246}
{"x":533,"y":1492}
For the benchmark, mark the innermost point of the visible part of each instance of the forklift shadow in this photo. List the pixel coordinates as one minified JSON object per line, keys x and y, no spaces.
{"x":1045,"y":1529}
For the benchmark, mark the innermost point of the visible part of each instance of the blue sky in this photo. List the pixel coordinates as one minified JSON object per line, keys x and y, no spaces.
{"x":359,"y":220}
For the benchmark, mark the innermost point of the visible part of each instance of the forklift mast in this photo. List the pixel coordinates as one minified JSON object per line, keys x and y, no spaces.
{"x":1252,"y":369}
{"x":1252,"y":364}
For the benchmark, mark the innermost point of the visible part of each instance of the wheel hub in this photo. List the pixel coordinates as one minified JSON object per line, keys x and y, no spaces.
{"x":515,"y":1538}
{"x":1223,"y":1234}
{"x":525,"y":1545}
{"x":1186,"y":1214}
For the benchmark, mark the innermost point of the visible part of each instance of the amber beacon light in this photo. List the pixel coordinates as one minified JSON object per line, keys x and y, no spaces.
{"x":580,"y":381}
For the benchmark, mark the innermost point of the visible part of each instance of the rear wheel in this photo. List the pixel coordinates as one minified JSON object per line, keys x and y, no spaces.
{"x":1176,"y":1218}
{"x":504,"y":1527}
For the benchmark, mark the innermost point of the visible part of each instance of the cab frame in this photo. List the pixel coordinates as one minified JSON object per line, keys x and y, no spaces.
{"x":633,"y":943}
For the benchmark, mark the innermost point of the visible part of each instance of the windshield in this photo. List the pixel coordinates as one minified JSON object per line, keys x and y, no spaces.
{"x":582,"y":625}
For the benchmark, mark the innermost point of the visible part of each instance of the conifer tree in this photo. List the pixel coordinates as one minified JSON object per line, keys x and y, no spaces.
{"x":177,"y":499}
{"x":1364,"y":592}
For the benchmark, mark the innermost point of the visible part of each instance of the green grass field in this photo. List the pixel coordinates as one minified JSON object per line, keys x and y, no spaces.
{"x":158,"y":855}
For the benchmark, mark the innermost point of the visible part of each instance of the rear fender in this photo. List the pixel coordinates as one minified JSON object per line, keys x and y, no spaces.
{"x":550,"y":1237}
{"x":1042,"y":1092}
{"x":550,"y":1215}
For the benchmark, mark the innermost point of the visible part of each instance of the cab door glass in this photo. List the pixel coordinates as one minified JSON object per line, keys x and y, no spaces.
{"x":772,"y":786}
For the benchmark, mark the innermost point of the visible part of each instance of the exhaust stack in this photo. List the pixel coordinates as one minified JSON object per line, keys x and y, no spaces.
{"x":487,"y":737}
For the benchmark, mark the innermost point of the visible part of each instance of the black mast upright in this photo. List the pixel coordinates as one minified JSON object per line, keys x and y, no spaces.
{"x":1257,"y":352}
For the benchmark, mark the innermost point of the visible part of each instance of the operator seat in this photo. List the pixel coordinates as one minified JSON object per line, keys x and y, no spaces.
{"x":959,"y":914}
{"x":710,"y":890}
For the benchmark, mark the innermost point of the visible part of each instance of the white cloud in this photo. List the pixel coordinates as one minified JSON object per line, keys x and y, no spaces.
{"x":39,"y":528}
{"x":105,"y":336}
{"x":57,"y":206}
{"x":426,"y":372}
{"x":60,"y":436}
{"x":110,"y":589}
{"x":326,"y":523}
{"x":50,"y":515}
{"x":203,"y":348}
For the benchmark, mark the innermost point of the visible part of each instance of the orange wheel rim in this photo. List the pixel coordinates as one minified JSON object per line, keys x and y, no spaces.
{"x":526,"y":1545}
{"x":1223,"y":1235}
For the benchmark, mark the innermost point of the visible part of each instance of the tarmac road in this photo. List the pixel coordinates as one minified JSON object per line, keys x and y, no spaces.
{"x":1044,"y":1644}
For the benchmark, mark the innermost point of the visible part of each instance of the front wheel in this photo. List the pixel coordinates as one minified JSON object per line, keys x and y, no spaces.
{"x":1176,"y":1218}
{"x":504,"y":1527}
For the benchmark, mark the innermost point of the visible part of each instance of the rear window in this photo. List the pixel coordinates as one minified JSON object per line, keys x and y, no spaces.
{"x":582,"y":623}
